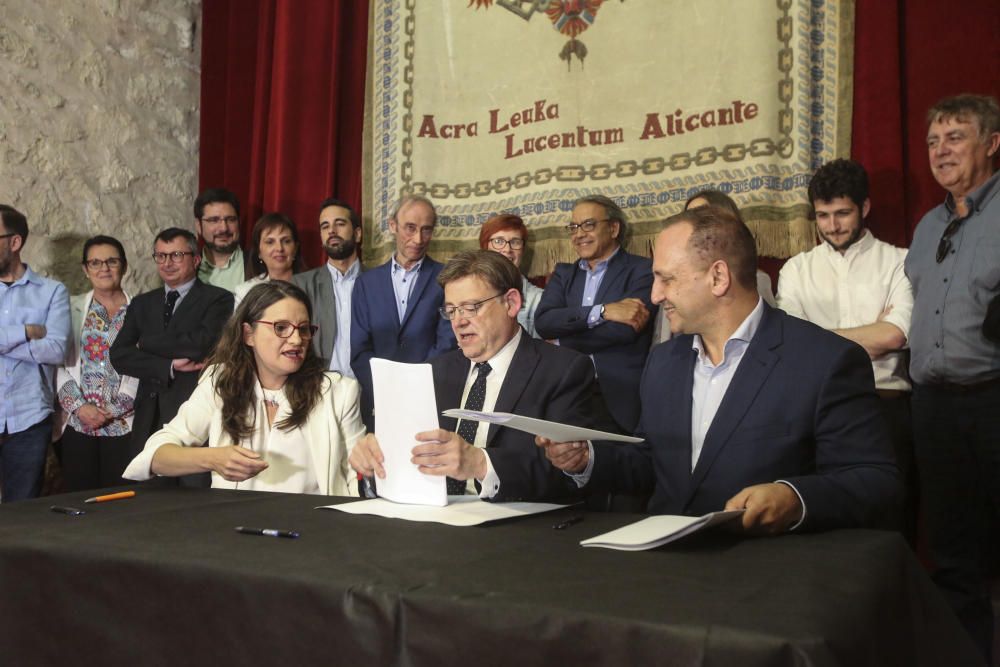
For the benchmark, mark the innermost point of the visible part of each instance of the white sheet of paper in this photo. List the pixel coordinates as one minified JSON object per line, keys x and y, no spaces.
{"x":460,"y":511}
{"x":405,"y":406}
{"x":552,"y":430}
{"x":658,"y":530}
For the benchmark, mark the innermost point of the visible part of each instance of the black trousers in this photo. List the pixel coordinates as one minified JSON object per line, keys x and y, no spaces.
{"x":92,"y":461}
{"x":896,"y":410}
{"x":957,"y":438}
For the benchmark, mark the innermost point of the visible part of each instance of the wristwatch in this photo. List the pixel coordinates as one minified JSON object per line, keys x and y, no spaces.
{"x":602,"y":311}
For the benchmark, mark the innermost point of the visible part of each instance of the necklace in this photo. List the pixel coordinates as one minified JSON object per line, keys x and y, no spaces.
{"x":271,"y":396}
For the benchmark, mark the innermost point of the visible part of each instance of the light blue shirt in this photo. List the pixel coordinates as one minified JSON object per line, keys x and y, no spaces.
{"x":403,"y":281}
{"x":343,"y":284}
{"x":710,"y":385}
{"x":594,"y":278}
{"x":711,"y":382}
{"x":27,"y":367}
{"x":182,"y":291}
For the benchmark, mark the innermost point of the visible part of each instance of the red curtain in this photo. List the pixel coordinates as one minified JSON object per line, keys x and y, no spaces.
{"x":908,"y":55}
{"x":283,"y":101}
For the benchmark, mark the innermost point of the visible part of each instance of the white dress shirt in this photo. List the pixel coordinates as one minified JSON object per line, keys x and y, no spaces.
{"x":499,"y":365}
{"x":837,"y":291}
{"x":343,"y":285}
{"x":290,"y":466}
{"x":711,"y":382}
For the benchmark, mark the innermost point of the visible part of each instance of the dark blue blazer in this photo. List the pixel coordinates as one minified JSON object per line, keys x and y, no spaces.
{"x":377,"y":332}
{"x":801,"y":408}
{"x":619,"y":352}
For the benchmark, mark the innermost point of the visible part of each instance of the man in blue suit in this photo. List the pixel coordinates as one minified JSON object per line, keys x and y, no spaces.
{"x":746,"y":407}
{"x":600,"y":305}
{"x":394,"y":307}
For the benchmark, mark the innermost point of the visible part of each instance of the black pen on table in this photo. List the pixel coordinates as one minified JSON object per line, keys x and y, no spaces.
{"x":62,"y":509}
{"x":568,"y":522}
{"x":269,"y":532}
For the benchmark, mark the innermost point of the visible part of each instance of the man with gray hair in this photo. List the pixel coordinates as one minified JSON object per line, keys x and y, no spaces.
{"x":498,"y":367}
{"x":954,"y":266}
{"x":394,"y":307}
{"x":34,"y":328}
{"x":167,"y":335}
{"x":600,"y":305}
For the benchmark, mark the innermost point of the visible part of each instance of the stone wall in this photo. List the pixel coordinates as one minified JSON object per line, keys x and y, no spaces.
{"x":99,"y":126}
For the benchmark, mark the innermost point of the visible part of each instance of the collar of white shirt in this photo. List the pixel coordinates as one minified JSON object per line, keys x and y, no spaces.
{"x":499,"y":363}
{"x":744,"y":334}
{"x":866,"y":241}
{"x":396,"y":266}
{"x":351,"y":272}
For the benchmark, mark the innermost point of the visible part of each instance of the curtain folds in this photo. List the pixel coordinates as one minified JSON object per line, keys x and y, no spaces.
{"x":282,"y":102}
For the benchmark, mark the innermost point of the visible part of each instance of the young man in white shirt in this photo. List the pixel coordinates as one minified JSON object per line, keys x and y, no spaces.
{"x":854,"y":285}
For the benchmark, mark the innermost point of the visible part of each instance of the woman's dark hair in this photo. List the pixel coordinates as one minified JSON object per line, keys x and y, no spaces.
{"x":100,"y":239}
{"x":267,"y":222}
{"x":236,"y":367}
{"x":716,"y":198}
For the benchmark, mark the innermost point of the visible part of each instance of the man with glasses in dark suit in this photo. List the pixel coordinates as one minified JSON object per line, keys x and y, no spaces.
{"x":954,"y":266}
{"x":167,"y":335}
{"x":599,"y":305}
{"x":498,"y":367}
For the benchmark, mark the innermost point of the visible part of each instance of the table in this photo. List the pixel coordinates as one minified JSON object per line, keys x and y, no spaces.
{"x":163,"y":579}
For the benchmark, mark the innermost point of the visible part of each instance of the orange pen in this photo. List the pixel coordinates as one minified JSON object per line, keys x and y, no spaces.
{"x":110,"y":496}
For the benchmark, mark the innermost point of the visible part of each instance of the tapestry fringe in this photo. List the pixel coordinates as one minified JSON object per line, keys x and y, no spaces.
{"x":775,"y":238}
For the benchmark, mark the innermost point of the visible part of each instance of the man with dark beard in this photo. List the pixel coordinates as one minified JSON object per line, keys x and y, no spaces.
{"x":329,"y":287}
{"x":854,"y":285}
{"x":217,"y":220}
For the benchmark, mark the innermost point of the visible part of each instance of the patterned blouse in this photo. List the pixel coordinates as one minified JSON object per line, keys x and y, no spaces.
{"x":99,"y":378}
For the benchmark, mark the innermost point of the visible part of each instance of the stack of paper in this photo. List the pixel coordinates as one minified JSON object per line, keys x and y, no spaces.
{"x":657,"y":531}
{"x":460,"y":511}
{"x":405,"y":406}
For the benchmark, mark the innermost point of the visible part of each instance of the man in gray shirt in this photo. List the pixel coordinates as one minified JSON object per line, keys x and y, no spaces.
{"x":954,"y":266}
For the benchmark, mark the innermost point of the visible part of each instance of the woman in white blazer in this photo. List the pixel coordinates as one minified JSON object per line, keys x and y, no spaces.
{"x":273,"y":418}
{"x":95,"y":420}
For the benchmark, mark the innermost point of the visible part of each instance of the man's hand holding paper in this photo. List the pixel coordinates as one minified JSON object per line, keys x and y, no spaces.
{"x":438,"y":452}
{"x":446,"y":453}
{"x":570,"y":457}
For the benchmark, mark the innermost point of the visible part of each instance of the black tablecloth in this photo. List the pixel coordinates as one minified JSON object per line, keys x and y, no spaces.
{"x":163,"y":578}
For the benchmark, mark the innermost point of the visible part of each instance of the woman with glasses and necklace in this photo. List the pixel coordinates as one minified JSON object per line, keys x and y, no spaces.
{"x":274,"y":253}
{"x":96,"y":402}
{"x":273,"y":417}
{"x":508,"y":235}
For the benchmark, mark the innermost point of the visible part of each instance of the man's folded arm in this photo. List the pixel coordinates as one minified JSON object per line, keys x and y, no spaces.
{"x":128,"y":359}
{"x":196,"y":343}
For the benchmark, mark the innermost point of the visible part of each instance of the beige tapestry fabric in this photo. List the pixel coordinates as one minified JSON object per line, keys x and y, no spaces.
{"x":507,"y":106}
